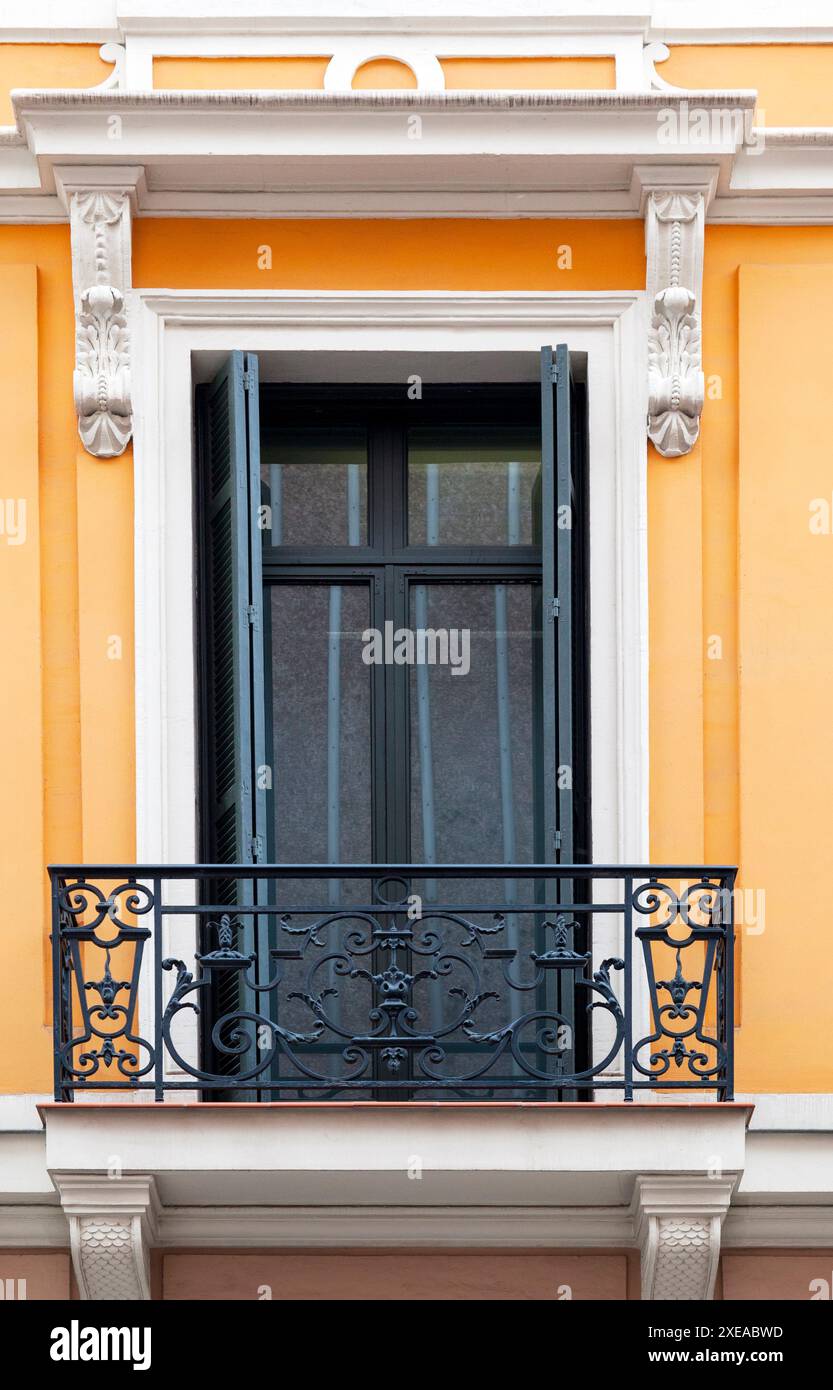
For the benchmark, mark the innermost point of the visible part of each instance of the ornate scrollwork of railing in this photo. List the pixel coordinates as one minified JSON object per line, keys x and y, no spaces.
{"x":102,"y":1035}
{"x":467,"y":997}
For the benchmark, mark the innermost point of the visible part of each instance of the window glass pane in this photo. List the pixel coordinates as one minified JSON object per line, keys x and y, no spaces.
{"x":475,"y":785}
{"x":474,"y":485}
{"x":320,"y":798}
{"x":314,"y":484}
{"x":475,"y":723}
{"x":320,"y":718}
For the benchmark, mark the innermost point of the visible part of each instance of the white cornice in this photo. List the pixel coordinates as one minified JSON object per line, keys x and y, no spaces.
{"x":505,"y":154}
{"x":479,"y":154}
{"x":788,"y":1227}
{"x":367,"y":1227}
{"x":71,"y":99}
{"x":27,"y":1226}
{"x":677,"y":21}
{"x":778,"y":1227}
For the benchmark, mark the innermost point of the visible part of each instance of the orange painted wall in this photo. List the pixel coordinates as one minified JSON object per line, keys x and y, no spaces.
{"x":531,"y":74}
{"x":282,"y":74}
{"x":237,"y":74}
{"x":709,"y":736}
{"x":441,"y":254}
{"x":68,"y":756}
{"x":785,"y":651}
{"x":47,"y":65}
{"x":794,"y":82}
{"x":700,"y":679}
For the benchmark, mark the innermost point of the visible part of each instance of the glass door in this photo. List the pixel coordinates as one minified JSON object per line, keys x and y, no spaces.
{"x":404,"y":709}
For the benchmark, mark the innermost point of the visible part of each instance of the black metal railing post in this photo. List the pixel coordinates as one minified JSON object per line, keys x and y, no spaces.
{"x":158,"y":1009}
{"x":628,"y":986}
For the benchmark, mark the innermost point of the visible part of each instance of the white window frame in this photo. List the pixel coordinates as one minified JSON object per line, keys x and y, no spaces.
{"x":171,"y":327}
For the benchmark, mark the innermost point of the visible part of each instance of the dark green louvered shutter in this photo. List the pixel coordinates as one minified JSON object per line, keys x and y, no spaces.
{"x":234,"y":806}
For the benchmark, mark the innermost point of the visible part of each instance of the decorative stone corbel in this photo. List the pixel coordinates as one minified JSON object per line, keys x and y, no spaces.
{"x":674,"y":221}
{"x":678,"y":1221}
{"x":112,"y":1227}
{"x":100,"y":201}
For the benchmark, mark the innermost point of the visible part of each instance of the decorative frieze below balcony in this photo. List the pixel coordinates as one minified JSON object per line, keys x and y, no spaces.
{"x":338,"y":1176}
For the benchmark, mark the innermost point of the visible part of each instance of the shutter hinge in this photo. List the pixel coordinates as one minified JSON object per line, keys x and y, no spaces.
{"x":256,"y":848}
{"x":556,"y":839}
{"x":251,"y":614}
{"x":554,"y":374}
{"x":554,"y":609}
{"x":248,"y":381}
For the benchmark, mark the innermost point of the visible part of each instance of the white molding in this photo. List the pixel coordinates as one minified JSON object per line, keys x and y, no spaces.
{"x":361,"y":1154}
{"x":652,"y":54}
{"x":677,"y":1223}
{"x":315,"y":328}
{"x":19,"y":1112}
{"x":528,"y":154}
{"x":740,"y":209}
{"x":28,"y":101}
{"x":785,"y":1227}
{"x":348,"y":58}
{"x":112,"y":1225}
{"x":215,"y":151}
{"x":672,"y":21}
{"x":676,"y":21}
{"x":112,"y":53}
{"x":790,"y":1112}
{"x":392,"y":1227}
{"x":30,"y":1226}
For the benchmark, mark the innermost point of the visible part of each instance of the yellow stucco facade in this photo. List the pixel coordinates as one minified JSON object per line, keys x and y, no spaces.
{"x":740,"y":584}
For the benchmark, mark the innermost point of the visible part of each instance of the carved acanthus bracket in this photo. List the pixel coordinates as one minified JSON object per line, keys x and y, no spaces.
{"x":674,"y":222}
{"x":678,"y":1223}
{"x":99,"y":202}
{"x":112,"y":1227}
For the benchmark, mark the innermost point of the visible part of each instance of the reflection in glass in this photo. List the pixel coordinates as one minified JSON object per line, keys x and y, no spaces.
{"x":320,"y":717}
{"x":465,"y":729}
{"x":473,"y":486}
{"x":314,"y":483}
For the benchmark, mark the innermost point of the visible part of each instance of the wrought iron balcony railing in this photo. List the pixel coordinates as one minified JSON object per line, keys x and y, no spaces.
{"x":392,"y":982}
